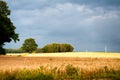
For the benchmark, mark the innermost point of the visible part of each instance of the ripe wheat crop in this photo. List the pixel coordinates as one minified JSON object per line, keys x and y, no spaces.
{"x":75,"y":66}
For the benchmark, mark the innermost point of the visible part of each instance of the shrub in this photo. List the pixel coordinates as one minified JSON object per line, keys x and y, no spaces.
{"x":66,"y":48}
{"x":55,"y":47}
{"x":71,"y":70}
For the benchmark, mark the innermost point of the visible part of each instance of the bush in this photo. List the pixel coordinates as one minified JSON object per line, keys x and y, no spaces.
{"x":66,"y":48}
{"x":55,"y":47}
{"x":71,"y":70}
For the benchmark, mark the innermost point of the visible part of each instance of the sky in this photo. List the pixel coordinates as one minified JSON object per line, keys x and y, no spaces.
{"x":88,"y":25}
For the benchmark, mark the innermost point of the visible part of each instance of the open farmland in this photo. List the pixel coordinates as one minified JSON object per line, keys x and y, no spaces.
{"x":87,"y":62}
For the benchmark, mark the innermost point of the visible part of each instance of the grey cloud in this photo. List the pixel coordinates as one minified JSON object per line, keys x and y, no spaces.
{"x":70,"y":21}
{"x":98,"y":2}
{"x":23,"y":4}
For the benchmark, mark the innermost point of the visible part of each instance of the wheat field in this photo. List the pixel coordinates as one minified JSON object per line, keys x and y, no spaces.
{"x":58,"y":65}
{"x":84,"y":60}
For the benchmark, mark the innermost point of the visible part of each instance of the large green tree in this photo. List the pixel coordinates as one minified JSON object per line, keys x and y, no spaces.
{"x":29,"y":45}
{"x":7,"y":29}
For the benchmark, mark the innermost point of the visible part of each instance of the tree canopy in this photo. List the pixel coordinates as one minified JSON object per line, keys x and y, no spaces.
{"x":29,"y":45}
{"x":7,"y":29}
{"x":55,"y":47}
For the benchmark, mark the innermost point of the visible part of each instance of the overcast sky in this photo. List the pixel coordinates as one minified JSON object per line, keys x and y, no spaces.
{"x":86,"y":24}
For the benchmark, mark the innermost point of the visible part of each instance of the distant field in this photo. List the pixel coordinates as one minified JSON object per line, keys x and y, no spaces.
{"x":72,"y":54}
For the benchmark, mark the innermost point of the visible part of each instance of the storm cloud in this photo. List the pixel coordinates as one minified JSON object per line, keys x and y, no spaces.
{"x":87,"y":25}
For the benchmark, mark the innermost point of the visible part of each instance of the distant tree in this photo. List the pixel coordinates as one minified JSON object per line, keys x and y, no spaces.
{"x":50,"y":48}
{"x":47,"y":48}
{"x":29,"y":45}
{"x":14,"y":51}
{"x":39,"y":50}
{"x":7,"y":29}
{"x":55,"y":47}
{"x":66,"y":48}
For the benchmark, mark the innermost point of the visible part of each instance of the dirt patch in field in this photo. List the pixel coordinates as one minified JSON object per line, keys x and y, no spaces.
{"x":14,"y":62}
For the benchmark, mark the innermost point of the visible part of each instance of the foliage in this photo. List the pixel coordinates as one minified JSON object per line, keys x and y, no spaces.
{"x":71,"y":70}
{"x":70,"y":73}
{"x":14,"y":51}
{"x":2,"y":51}
{"x":39,"y":50}
{"x":66,"y":48}
{"x":29,"y":45}
{"x":7,"y":29}
{"x":25,"y":75}
{"x":19,"y":50}
{"x":55,"y":47}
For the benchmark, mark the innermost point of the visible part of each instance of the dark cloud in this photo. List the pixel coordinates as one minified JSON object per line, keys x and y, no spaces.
{"x":98,"y":2}
{"x":23,"y":4}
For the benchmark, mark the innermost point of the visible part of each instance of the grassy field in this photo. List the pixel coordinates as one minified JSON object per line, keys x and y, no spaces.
{"x":60,"y":66}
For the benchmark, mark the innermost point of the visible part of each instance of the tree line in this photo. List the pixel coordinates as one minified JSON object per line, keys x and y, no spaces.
{"x":56,"y":47}
{"x":31,"y":46}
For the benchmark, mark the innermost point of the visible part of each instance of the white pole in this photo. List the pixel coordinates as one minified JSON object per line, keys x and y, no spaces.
{"x":105,"y":48}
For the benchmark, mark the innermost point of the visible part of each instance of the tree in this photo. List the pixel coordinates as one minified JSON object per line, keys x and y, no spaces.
{"x":66,"y":48}
{"x":7,"y":29}
{"x":29,"y":45}
{"x":55,"y":47}
{"x":50,"y":48}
